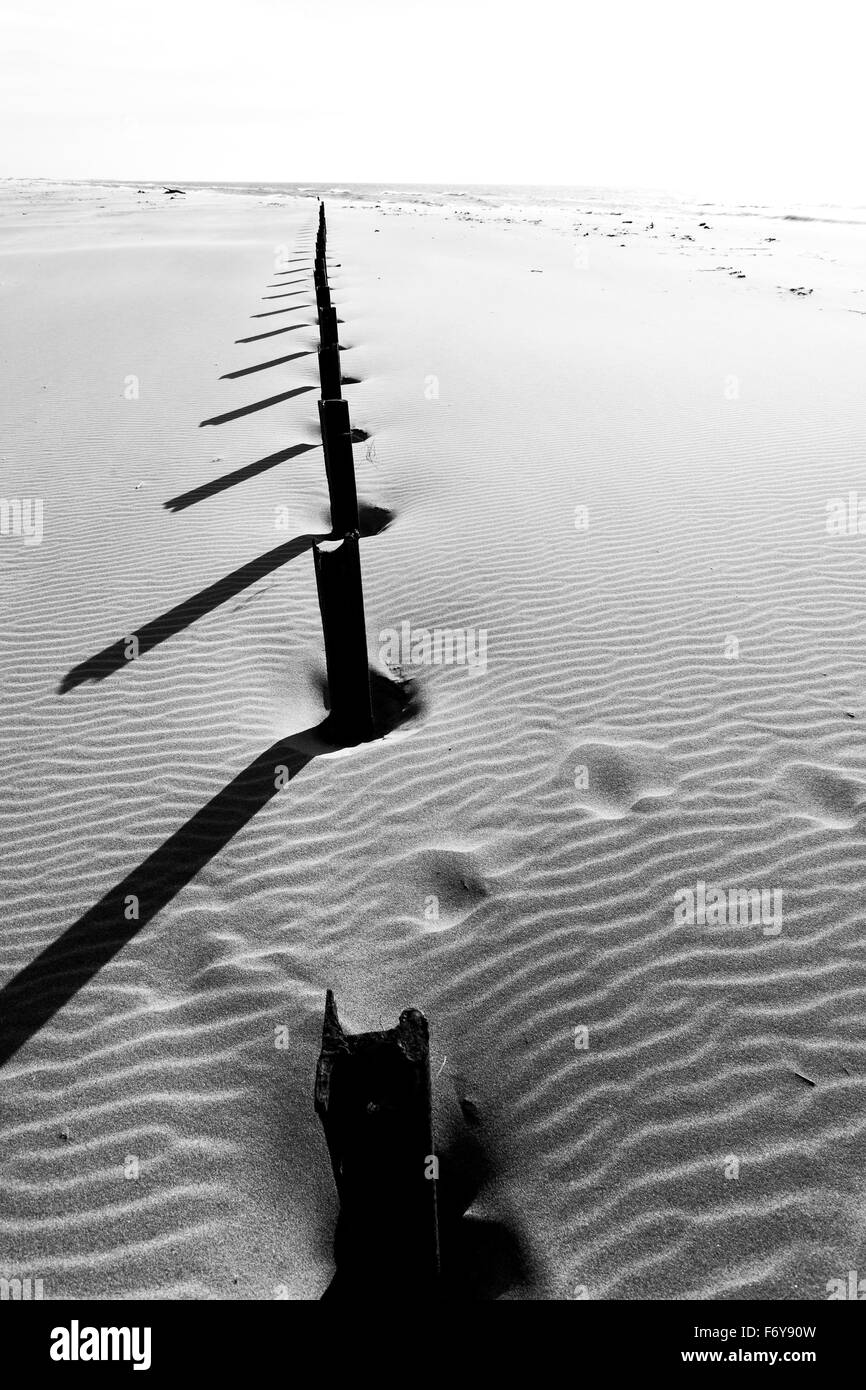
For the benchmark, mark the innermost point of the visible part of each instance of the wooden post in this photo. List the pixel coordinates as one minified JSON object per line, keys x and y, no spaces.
{"x":341,"y":600}
{"x":339,"y":465}
{"x":373,"y":1097}
{"x":329,"y":372}
{"x":328,"y":327}
{"x":323,"y":295}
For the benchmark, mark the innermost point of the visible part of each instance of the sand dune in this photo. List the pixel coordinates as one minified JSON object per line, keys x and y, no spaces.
{"x":617,"y":468}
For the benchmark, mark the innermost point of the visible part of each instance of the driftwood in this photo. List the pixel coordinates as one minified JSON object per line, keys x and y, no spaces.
{"x":373,"y":1099}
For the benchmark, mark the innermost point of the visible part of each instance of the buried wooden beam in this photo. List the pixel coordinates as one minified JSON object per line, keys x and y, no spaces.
{"x":329,"y":372}
{"x":341,"y":600}
{"x":373,"y":1097}
{"x":339,"y":465}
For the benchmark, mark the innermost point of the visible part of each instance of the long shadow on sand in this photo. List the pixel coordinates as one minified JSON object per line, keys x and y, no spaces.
{"x":118,"y":655}
{"x":256,"y":405}
{"x":240,"y":475}
{"x":272,"y":333}
{"x":43,"y":987}
{"x":272,"y":313}
{"x":262,"y":366}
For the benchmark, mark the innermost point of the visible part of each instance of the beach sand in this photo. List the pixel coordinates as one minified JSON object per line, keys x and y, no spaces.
{"x":613,"y":456}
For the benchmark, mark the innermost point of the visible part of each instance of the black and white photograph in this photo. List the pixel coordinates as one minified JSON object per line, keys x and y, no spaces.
{"x":432,"y":664}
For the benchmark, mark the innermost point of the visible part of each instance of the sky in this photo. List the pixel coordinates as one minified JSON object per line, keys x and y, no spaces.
{"x":759,"y":99}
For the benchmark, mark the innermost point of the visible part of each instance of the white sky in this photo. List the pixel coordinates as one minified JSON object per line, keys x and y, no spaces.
{"x":759,"y":98}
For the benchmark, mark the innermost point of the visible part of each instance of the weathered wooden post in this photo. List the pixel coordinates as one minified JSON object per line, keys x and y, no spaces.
{"x":373,"y":1097}
{"x":341,"y":600}
{"x":329,"y":372}
{"x":323,"y":303}
{"x":328,"y":327}
{"x":338,"y":563}
{"x":339,"y":465}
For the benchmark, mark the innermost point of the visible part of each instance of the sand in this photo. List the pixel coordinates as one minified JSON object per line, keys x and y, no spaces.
{"x":612,"y":455}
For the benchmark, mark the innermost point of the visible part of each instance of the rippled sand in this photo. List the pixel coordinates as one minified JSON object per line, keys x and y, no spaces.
{"x":618,"y":467}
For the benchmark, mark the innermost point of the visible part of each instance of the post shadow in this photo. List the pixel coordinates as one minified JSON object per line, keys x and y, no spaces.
{"x":272,"y":333}
{"x":261,"y":366}
{"x":35,"y":994}
{"x":257,"y":405}
{"x":43,"y":987}
{"x":272,"y":313}
{"x":240,"y":475}
{"x":113,"y":658}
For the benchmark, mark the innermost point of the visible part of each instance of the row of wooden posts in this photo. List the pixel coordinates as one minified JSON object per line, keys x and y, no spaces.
{"x":373,"y":1090}
{"x":338,"y":560}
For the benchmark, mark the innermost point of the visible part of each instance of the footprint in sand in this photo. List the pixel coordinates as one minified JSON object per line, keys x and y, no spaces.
{"x":612,"y":779}
{"x":825,"y":794}
{"x":440,"y":887}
